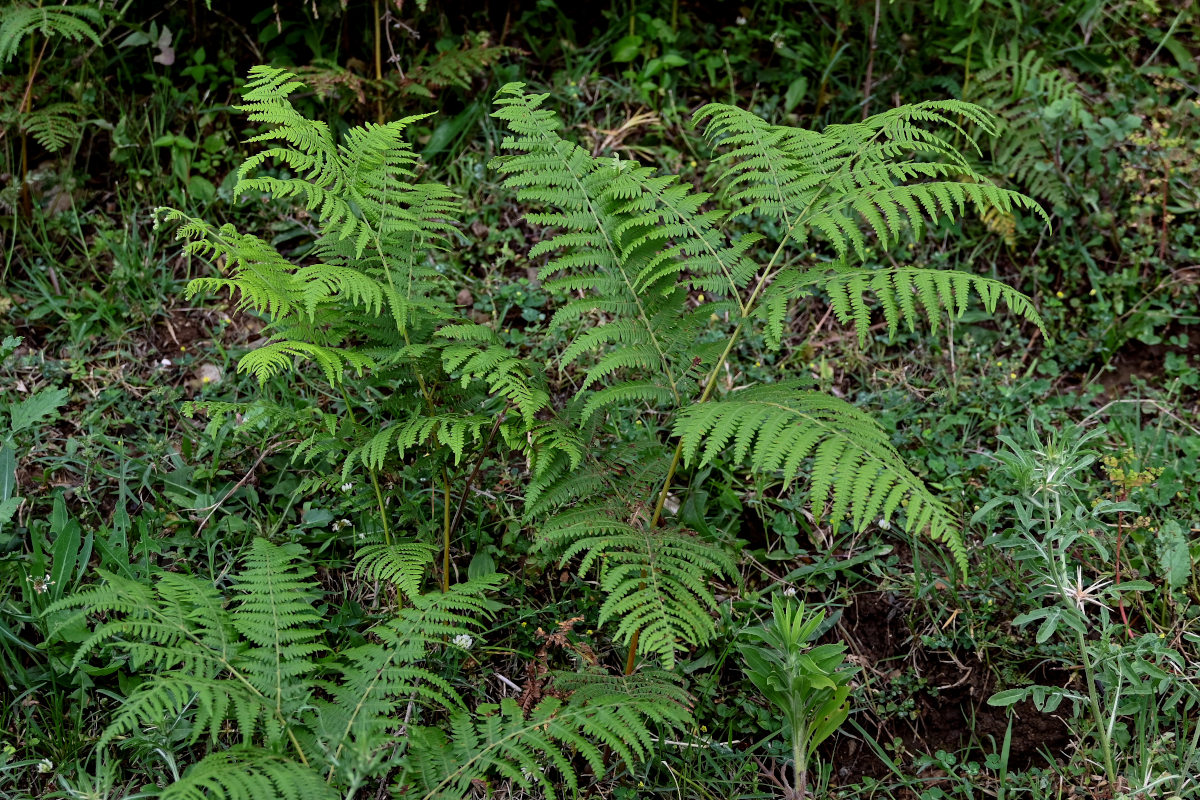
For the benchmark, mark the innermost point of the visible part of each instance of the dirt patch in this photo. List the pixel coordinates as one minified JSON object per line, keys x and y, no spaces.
{"x":921,"y":701}
{"x":1136,"y":359}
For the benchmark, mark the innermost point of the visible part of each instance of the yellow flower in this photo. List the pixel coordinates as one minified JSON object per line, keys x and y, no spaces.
{"x":1012,"y":375}
{"x":1059,"y":295}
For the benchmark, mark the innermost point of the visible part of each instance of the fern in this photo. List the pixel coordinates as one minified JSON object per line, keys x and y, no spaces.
{"x":75,"y":22}
{"x":662,"y":282}
{"x":632,"y":246}
{"x":775,"y":429}
{"x":656,"y":582}
{"x":54,"y":126}
{"x":252,"y":663}
{"x":1037,"y":107}
{"x":248,"y":774}
{"x":535,"y":748}
{"x":834,"y":181}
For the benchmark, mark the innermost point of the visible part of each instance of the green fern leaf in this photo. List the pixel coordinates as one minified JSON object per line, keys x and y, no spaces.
{"x":774,"y":429}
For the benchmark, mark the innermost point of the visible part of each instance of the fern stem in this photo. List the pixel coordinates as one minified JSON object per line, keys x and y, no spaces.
{"x":445,"y":531}
{"x":387,"y":534}
{"x":710,"y":384}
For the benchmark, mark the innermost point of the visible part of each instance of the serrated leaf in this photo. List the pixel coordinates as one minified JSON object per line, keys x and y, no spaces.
{"x":38,"y":407}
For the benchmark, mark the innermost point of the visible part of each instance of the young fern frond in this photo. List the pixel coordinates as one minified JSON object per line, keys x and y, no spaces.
{"x":775,"y":429}
{"x":534,"y":749}
{"x":655,"y":581}
{"x":53,"y":126}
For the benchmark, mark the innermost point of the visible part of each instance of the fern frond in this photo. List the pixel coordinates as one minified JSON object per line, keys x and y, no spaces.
{"x":536,"y":749}
{"x":275,"y":612}
{"x":245,"y":773}
{"x":655,"y":581}
{"x":210,"y":702}
{"x":610,"y":256}
{"x":775,"y":429}
{"x":900,"y":290}
{"x":180,"y":623}
{"x":53,"y":126}
{"x":74,"y":22}
{"x":1037,"y":108}
{"x":834,"y":181}
{"x":454,"y":431}
{"x":458,"y":66}
{"x":401,"y":564}
{"x":387,"y":670}
{"x":506,"y":374}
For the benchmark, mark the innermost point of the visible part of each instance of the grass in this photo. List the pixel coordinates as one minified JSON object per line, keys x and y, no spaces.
{"x":122,"y":479}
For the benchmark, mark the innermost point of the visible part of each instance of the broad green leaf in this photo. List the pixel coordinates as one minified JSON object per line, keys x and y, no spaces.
{"x":38,"y":407}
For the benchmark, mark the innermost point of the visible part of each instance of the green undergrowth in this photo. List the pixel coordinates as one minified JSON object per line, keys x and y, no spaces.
{"x":390,"y":483}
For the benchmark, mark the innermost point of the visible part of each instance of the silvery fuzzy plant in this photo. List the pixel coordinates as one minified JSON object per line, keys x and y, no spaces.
{"x":1055,"y":527}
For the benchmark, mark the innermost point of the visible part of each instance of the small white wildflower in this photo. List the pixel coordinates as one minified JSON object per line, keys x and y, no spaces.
{"x":44,"y":766}
{"x":341,"y":523}
{"x":41,"y":585}
{"x":789,"y":591}
{"x":166,"y":362}
{"x":885,"y":524}
{"x":741,"y":20}
{"x":464,"y":641}
{"x":347,"y":487}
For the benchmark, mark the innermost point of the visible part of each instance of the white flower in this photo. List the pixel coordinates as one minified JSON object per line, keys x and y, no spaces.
{"x":44,"y":766}
{"x":347,"y":487}
{"x":341,"y":523}
{"x":464,"y":641}
{"x":41,"y":585}
{"x":885,"y":525}
{"x":741,"y":20}
{"x":789,"y":591}
{"x":166,"y":362}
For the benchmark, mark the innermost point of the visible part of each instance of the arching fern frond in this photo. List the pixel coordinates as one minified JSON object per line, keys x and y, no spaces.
{"x":53,"y":126}
{"x":389,"y":670}
{"x":775,"y":429}
{"x":401,"y":564}
{"x":1037,"y":107}
{"x":534,"y":749}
